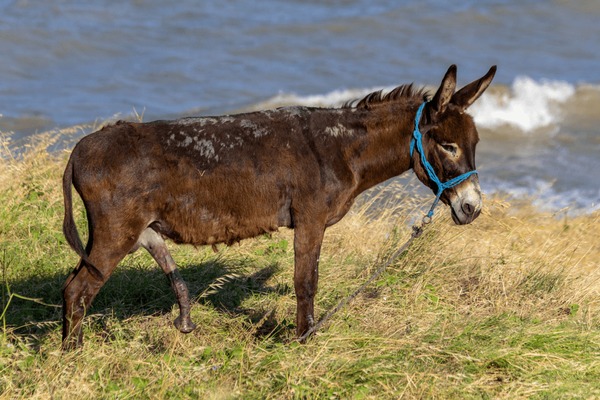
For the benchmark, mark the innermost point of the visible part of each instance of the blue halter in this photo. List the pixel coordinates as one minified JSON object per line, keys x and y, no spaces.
{"x":441,"y":186}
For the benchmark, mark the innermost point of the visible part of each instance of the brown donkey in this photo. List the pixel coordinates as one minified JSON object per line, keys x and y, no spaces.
{"x":221,"y":179}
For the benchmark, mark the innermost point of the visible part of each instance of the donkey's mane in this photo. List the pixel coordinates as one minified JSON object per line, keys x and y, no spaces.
{"x":378,"y":97}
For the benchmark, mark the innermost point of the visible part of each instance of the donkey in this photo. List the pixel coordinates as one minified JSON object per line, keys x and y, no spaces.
{"x":211,"y":180}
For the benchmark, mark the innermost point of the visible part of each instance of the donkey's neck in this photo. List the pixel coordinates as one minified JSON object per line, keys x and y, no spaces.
{"x":386,"y":150}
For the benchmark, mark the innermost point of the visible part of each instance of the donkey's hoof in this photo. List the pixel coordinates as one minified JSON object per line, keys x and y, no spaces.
{"x":185,"y":325}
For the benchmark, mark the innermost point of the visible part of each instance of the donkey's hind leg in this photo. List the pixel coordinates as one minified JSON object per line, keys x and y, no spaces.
{"x":154,"y":243}
{"x":82,"y":285}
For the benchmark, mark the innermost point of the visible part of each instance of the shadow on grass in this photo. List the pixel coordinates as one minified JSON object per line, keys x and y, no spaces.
{"x":138,"y":291}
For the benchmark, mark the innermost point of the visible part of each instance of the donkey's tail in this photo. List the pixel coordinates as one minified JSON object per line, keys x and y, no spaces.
{"x":69,"y":227}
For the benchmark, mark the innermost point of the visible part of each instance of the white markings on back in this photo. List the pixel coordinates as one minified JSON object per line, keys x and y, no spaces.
{"x":195,"y":121}
{"x":256,"y":130}
{"x":187,"y":140}
{"x":203,"y":121}
{"x":294,"y":111}
{"x":205,"y":148}
{"x":267,"y":113}
{"x":338,"y":130}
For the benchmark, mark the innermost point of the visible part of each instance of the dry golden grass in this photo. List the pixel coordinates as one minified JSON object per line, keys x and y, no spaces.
{"x":506,"y":307}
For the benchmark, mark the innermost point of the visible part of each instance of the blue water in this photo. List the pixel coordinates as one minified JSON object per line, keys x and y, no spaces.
{"x":70,"y":62}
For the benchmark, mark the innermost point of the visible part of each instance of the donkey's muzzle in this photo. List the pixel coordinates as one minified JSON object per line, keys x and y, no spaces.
{"x":466,"y":205}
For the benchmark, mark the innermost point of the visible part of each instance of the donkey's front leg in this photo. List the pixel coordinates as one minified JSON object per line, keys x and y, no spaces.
{"x":307,"y":247}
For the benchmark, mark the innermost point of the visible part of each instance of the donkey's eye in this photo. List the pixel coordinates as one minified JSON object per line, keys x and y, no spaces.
{"x":450,"y":148}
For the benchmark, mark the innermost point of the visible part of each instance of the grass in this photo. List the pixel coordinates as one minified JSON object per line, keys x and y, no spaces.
{"x":507,"y":307}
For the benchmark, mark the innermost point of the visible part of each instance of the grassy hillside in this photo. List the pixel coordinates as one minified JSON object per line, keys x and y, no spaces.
{"x":508,"y":307}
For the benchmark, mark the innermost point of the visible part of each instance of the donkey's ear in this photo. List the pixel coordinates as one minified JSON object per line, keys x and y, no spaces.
{"x":443,"y":95}
{"x":467,"y":95}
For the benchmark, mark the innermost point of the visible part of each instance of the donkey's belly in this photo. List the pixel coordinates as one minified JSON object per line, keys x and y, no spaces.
{"x":224,"y":230}
{"x":205,"y":226}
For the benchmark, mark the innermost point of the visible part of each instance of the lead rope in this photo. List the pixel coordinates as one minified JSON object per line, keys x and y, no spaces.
{"x":416,"y":232}
{"x":416,"y":141}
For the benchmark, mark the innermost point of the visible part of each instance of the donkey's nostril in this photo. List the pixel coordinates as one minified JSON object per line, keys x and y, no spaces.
{"x":468,"y":208}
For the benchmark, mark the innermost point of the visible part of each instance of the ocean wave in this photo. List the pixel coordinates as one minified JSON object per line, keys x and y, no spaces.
{"x":528,"y":104}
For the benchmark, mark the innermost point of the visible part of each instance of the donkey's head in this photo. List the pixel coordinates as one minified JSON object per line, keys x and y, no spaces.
{"x":449,"y":138}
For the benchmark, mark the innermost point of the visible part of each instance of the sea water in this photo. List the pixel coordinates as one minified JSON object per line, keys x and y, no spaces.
{"x":68,"y":62}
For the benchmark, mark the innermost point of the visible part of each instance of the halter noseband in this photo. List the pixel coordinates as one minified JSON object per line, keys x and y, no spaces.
{"x":417,"y":140}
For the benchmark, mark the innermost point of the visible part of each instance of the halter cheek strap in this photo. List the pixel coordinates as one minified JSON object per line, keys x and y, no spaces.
{"x":417,"y":141}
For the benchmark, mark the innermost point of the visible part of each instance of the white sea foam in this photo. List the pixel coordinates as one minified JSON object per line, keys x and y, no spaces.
{"x":528,"y":105}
